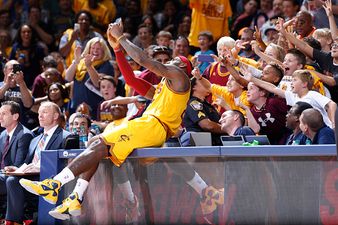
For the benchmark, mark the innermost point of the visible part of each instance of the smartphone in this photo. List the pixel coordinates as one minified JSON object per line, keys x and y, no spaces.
{"x":205,"y":58}
{"x":76,"y":26}
{"x":16,"y":68}
{"x":118,"y":20}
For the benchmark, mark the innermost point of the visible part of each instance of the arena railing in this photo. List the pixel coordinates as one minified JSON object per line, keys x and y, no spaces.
{"x":262,"y":185}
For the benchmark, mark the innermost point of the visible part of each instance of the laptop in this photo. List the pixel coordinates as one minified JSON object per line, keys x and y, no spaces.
{"x":72,"y":142}
{"x":262,"y":139}
{"x":200,"y":139}
{"x":172,"y":142}
{"x":232,"y":140}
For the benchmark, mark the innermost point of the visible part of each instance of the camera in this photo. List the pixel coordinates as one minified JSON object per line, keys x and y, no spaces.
{"x":118,"y":20}
{"x":16,"y":68}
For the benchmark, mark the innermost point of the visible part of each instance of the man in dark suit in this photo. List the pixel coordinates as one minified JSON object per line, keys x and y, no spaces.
{"x":52,"y":138}
{"x":14,"y":140}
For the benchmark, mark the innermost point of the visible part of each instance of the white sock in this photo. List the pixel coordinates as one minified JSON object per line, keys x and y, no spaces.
{"x":126,"y":190}
{"x":64,"y":176}
{"x":197,"y":183}
{"x":81,"y":187}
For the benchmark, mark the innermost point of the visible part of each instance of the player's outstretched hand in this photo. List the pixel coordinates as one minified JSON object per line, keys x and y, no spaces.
{"x":116,"y":29}
{"x":111,"y":39}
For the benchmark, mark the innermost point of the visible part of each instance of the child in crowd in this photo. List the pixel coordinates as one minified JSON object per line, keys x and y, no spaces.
{"x":164,"y":38}
{"x":296,"y":60}
{"x":302,"y":82}
{"x":233,"y":93}
{"x":205,"y":40}
{"x":107,"y":90}
{"x":324,"y":37}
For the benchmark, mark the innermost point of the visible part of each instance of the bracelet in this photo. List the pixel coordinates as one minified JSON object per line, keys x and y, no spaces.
{"x":119,"y":38}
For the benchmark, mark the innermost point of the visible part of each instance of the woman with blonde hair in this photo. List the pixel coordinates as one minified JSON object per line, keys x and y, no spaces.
{"x":84,"y":71}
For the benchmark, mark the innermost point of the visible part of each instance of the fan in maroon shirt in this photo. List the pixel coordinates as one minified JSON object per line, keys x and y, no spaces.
{"x":269,"y":113}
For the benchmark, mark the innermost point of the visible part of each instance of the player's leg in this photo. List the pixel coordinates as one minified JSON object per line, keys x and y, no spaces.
{"x":72,"y":204}
{"x":130,"y":199}
{"x":86,"y":161}
{"x":210,"y":196}
{"x":129,"y":137}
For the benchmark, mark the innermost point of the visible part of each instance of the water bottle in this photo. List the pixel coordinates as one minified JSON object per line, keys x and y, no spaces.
{"x":83,"y":138}
{"x":74,"y":131}
{"x":95,"y":129}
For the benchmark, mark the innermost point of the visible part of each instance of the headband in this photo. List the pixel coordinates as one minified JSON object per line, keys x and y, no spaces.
{"x":187,"y":62}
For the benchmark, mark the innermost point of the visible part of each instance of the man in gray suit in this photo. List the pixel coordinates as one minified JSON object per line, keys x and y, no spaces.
{"x":52,"y":138}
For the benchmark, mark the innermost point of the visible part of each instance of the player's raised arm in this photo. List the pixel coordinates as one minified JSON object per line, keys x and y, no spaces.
{"x":141,"y":86}
{"x":116,"y":31}
{"x":175,"y":71}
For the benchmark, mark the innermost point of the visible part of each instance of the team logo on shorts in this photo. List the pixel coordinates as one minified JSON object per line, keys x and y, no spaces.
{"x":124,"y":138}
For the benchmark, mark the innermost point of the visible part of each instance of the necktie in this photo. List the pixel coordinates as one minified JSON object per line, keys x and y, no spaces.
{"x":290,"y":139}
{"x":4,"y":152}
{"x":39,"y":148}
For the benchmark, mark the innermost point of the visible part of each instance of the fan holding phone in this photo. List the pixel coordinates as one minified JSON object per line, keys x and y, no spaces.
{"x":14,"y":87}
{"x":16,"y":68}
{"x":204,"y":58}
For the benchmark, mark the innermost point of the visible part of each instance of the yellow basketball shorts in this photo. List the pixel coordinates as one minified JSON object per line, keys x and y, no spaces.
{"x":142,"y":132}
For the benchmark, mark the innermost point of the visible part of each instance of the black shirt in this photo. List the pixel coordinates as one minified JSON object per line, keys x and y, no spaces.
{"x":325,"y":60}
{"x":198,"y":110}
{"x":27,"y":117}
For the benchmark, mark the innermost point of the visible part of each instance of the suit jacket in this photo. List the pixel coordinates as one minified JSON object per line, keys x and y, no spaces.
{"x":18,"y":145}
{"x":55,"y":142}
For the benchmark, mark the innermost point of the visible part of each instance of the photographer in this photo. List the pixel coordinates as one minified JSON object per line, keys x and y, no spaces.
{"x":15,"y":89}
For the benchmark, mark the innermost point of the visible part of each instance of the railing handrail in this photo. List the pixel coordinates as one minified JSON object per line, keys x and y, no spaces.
{"x":224,"y":151}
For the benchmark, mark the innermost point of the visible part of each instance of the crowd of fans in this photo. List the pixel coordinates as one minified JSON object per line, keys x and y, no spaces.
{"x":260,"y":67}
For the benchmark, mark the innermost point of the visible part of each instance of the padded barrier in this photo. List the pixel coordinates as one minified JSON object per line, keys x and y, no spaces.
{"x":263,"y":185}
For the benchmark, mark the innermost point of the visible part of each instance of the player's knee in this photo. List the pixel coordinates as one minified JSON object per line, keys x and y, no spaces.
{"x":98,"y":145}
{"x":93,"y":139}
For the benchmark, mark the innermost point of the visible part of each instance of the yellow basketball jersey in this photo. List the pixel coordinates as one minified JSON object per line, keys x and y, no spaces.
{"x":168,"y":106}
{"x":116,"y":123}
